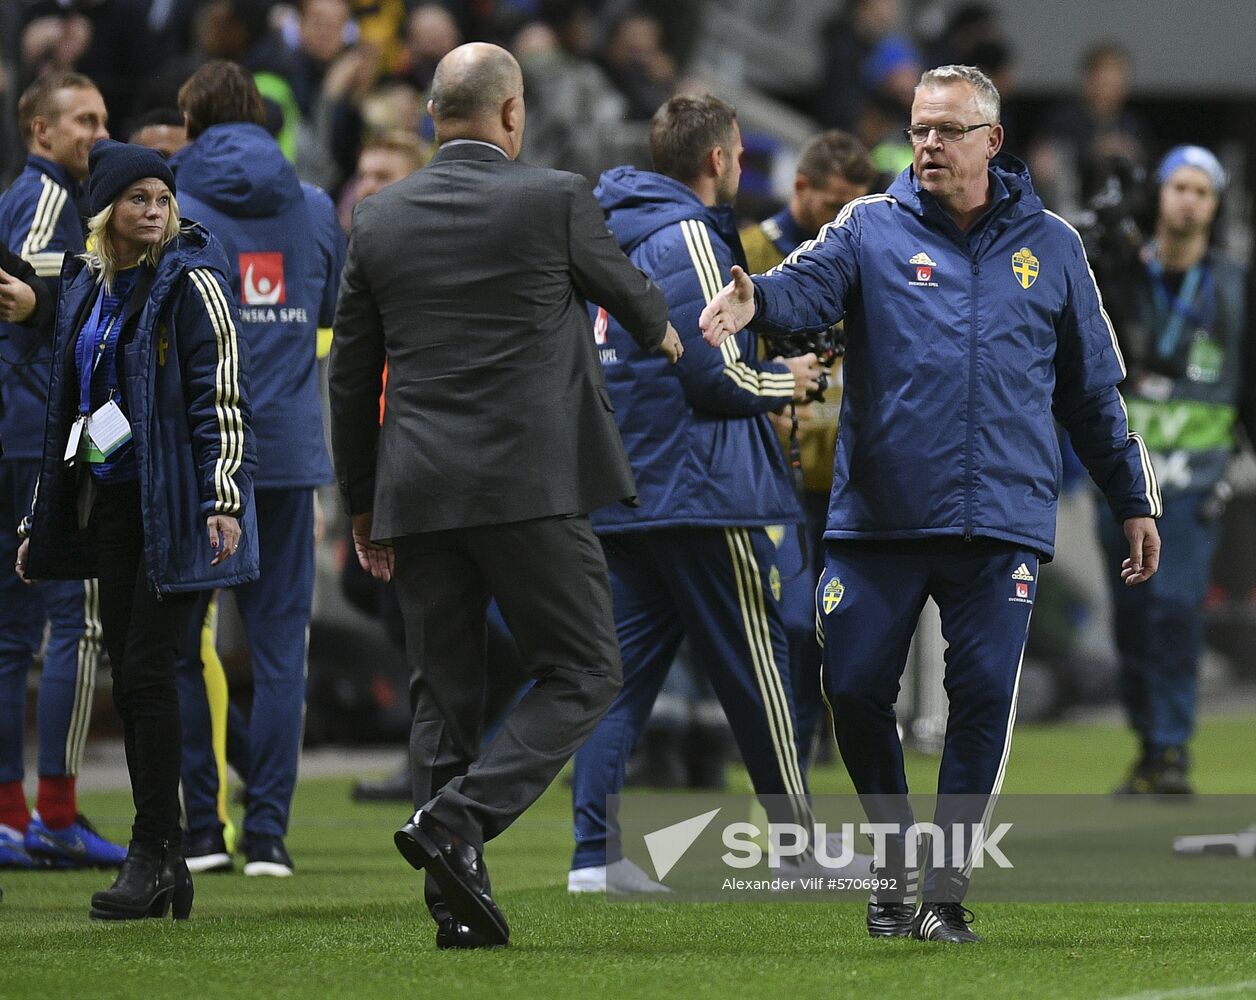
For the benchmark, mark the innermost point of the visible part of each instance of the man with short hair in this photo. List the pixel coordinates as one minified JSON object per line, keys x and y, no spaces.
{"x":161,"y":129}
{"x":286,"y":250}
{"x":384,"y":159}
{"x":695,"y":558}
{"x":60,"y":116}
{"x":469,"y":279}
{"x":972,"y":318}
{"x":833,"y":170}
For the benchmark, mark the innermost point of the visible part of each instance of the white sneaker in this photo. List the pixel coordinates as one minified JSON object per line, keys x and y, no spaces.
{"x":859,"y":866}
{"x":623,"y":876}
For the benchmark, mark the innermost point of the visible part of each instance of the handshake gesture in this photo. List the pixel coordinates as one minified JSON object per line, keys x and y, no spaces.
{"x":732,"y":309}
{"x":729,"y":311}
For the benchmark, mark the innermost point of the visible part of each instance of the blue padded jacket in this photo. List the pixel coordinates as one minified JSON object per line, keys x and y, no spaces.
{"x":962,"y":347}
{"x":697,"y":434}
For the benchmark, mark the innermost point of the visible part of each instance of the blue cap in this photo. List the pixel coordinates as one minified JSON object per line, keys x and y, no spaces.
{"x":1192,"y":156}
{"x":892,"y":53}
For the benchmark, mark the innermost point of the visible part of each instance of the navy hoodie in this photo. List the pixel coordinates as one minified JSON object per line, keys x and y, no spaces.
{"x":697,"y":434}
{"x":286,"y":251}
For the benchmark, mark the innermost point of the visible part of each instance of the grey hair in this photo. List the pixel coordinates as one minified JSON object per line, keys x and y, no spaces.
{"x":986,"y":92}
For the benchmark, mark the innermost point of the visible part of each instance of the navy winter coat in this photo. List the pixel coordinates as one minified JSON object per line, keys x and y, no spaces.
{"x":964,"y":347}
{"x":697,"y":434}
{"x":186,"y":392}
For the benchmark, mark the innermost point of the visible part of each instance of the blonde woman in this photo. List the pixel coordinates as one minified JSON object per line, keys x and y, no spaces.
{"x":146,"y":477}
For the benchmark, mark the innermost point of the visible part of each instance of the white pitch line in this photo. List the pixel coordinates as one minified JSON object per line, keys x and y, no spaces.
{"x":1193,"y":992}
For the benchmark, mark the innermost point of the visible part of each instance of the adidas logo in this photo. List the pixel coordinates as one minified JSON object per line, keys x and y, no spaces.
{"x":1022,"y":573}
{"x":923,"y":258}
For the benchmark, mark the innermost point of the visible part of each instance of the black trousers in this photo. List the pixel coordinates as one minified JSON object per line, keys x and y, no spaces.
{"x":142,"y":635}
{"x":549,"y":579}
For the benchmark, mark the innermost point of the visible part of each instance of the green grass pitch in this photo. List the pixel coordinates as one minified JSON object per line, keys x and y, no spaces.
{"x":351,"y":923}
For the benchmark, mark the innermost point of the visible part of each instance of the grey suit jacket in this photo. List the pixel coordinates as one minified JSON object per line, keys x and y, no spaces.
{"x":469,"y":278}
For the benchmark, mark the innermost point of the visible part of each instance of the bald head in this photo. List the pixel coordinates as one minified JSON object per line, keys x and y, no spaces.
{"x":473,"y":82}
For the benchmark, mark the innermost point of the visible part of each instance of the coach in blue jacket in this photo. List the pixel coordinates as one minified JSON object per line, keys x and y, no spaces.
{"x":286,"y":251}
{"x":973,"y":319}
{"x":695,"y":557}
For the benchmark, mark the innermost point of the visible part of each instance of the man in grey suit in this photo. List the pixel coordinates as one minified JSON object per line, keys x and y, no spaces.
{"x":470,"y":279}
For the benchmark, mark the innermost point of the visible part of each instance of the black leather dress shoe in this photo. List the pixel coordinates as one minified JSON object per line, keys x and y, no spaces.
{"x":459,"y":872}
{"x":451,"y":934}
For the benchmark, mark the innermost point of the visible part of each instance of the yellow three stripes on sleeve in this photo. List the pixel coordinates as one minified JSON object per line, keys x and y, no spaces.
{"x":226,"y":393}
{"x":702,"y":254}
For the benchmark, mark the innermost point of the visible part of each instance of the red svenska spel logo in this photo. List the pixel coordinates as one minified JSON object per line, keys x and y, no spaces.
{"x":600,"y":323}
{"x":924,"y":273}
{"x":261,"y":279}
{"x":1022,"y":590}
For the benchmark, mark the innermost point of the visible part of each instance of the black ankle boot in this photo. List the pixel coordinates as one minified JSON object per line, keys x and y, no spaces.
{"x":151,"y":878}
{"x":176,"y":870}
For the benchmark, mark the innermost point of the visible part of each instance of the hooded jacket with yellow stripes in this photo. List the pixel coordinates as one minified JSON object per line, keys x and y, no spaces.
{"x":963,"y":349}
{"x":182,"y":367}
{"x":40,"y":222}
{"x":697,"y":434}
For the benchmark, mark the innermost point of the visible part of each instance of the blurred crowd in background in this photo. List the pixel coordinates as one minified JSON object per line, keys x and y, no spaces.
{"x":345,"y":83}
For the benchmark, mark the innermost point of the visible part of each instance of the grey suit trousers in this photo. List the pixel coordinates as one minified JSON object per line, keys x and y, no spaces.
{"x":549,"y":579}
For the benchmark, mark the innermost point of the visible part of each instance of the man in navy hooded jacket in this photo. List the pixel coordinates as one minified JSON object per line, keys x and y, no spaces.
{"x":286,"y":251}
{"x":972,"y":320}
{"x":694,"y":558}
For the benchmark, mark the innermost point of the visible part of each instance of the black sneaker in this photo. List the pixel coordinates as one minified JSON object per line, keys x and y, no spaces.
{"x":892,"y":909}
{"x":206,"y":852}
{"x":266,"y":856}
{"x":1138,"y":781}
{"x":890,"y":919}
{"x":1171,"y":767}
{"x":944,"y":922}
{"x":1161,"y":773}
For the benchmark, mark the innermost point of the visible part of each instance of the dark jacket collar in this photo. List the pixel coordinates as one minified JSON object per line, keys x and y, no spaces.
{"x":54,"y":170}
{"x":471,"y":150}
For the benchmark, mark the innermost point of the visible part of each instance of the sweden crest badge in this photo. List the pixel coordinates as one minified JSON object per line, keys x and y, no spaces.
{"x":832,"y":595}
{"x":1025,"y":266}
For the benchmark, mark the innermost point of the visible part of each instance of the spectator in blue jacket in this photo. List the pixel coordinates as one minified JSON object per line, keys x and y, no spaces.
{"x":1187,"y":337}
{"x":285,"y":250}
{"x":60,"y":116}
{"x":695,"y":557}
{"x":972,"y":319}
{"x":145,"y":479}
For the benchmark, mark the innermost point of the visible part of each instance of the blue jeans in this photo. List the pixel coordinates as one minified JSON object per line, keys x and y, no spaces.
{"x":1160,"y":623}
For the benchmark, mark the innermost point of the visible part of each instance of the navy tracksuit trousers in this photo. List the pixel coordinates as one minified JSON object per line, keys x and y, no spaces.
{"x":721,"y":588}
{"x":868,"y":600}
{"x":67,"y":682}
{"x":276,"y":610}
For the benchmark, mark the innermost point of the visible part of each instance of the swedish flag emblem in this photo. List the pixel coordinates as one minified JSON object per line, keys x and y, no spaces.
{"x":1025,"y":267}
{"x":832,"y":596}
{"x":774,"y":581}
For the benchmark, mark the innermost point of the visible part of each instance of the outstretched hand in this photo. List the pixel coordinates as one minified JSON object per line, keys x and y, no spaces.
{"x":1144,"y":557}
{"x":730,"y":310}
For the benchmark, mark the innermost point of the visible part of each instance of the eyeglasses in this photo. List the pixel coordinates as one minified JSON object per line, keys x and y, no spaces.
{"x":947,"y":132}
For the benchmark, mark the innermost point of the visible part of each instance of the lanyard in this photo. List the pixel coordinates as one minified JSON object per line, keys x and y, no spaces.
{"x":112,"y":324}
{"x":1174,"y":314}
